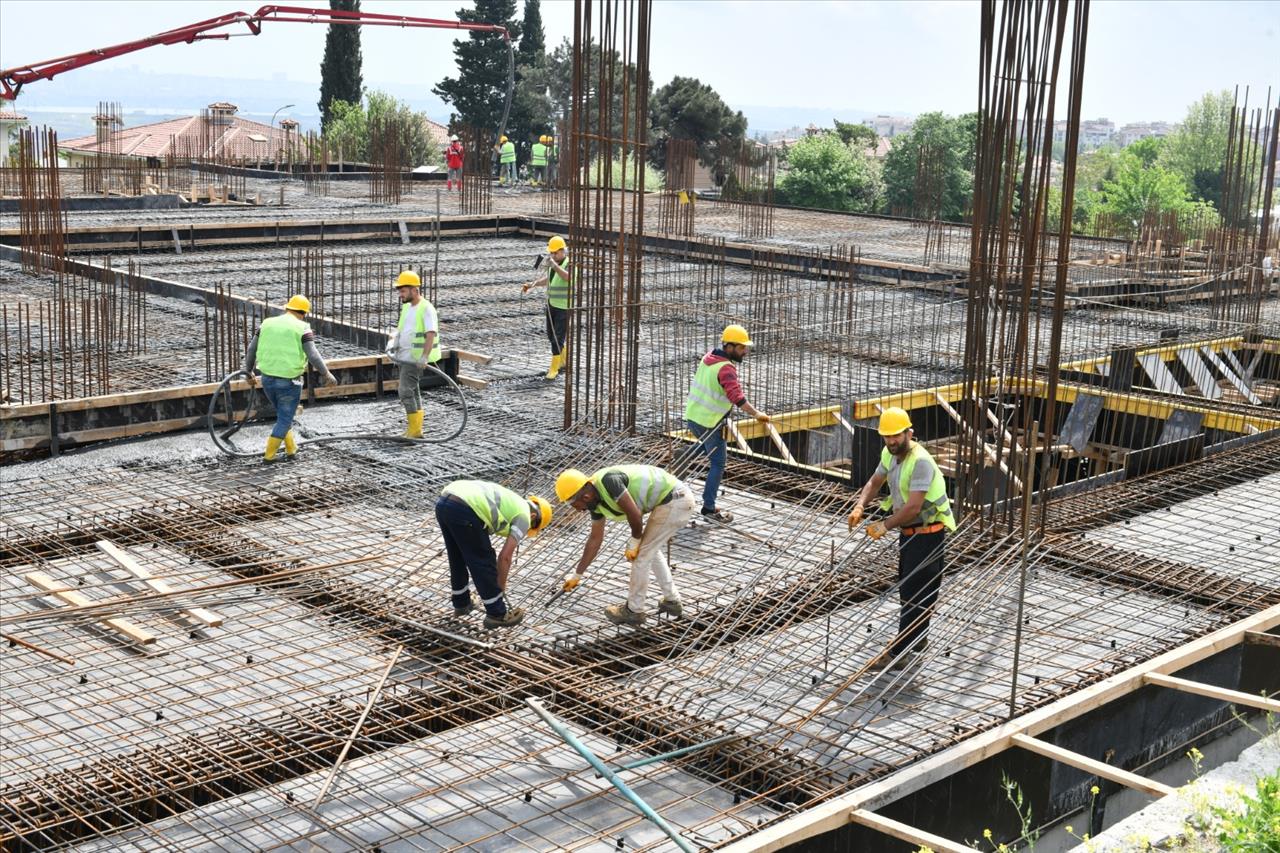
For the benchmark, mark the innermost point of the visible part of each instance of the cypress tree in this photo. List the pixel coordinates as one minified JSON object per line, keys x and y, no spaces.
{"x":340,"y":78}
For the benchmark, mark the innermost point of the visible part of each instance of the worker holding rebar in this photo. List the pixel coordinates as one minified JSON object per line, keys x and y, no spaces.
{"x":559,"y":284}
{"x":469,"y":512}
{"x":415,"y":344}
{"x":281,"y":349}
{"x":921,"y":513}
{"x":713,"y":393}
{"x":627,"y":493}
{"x":453,"y":156}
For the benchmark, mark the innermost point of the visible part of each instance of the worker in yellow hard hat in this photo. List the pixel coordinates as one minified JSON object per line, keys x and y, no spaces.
{"x":627,"y":493}
{"x":713,"y":393}
{"x":415,"y":344}
{"x":506,"y":161}
{"x":921,"y":513}
{"x":281,"y":349}
{"x":559,"y":284}
{"x":469,"y":512}
{"x":538,"y":161}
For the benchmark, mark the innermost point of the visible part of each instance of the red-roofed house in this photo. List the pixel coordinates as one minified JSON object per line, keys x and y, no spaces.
{"x":9,"y":121}
{"x":219,"y":133}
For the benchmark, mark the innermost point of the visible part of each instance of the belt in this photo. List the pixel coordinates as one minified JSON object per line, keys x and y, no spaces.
{"x":926,"y":528}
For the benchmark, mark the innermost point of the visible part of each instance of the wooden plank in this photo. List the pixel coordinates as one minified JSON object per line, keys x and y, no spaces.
{"x":478,"y":358}
{"x":908,"y":833}
{"x":1233,"y":376}
{"x":835,"y":812}
{"x":78,"y":599}
{"x":472,"y":382}
{"x":1090,"y":765}
{"x":779,"y":443}
{"x":206,"y":617}
{"x":1261,"y":638}
{"x":1222,"y":693}
{"x":848,"y":427}
{"x":737,"y":437}
{"x":1199,"y":373}
{"x":1162,"y":379}
{"x":986,"y":448}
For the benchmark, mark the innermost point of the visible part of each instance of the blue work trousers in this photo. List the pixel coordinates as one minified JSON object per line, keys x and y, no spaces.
{"x":712,"y":446}
{"x":284,"y":395}
{"x":471,"y":555}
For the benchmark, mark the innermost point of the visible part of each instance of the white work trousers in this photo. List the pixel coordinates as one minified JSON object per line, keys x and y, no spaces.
{"x":664,"y":522}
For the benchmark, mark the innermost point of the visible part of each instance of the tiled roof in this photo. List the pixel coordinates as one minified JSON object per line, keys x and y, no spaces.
{"x":155,"y":140}
{"x":10,"y":115}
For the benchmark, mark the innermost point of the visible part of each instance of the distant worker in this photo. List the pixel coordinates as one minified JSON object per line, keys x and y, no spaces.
{"x":538,"y":161}
{"x":506,"y":161}
{"x":415,"y":345}
{"x":921,"y":512}
{"x":626,"y":493}
{"x":714,"y":392}
{"x":469,"y":512}
{"x":559,"y":284}
{"x":453,"y":156}
{"x":553,"y":159}
{"x":281,"y":349}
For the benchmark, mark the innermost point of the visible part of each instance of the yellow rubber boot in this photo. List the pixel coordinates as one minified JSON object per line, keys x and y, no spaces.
{"x":273,"y":444}
{"x":290,"y":444}
{"x":415,"y":424}
{"x":557,"y":362}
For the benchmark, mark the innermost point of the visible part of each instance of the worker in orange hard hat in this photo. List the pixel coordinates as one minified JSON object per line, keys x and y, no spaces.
{"x":920,"y":511}
{"x":415,"y":344}
{"x":559,"y":284}
{"x":281,"y":349}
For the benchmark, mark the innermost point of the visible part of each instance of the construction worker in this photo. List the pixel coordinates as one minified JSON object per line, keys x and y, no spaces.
{"x":415,"y":345}
{"x":469,"y":512}
{"x":714,"y":392}
{"x":538,"y":161}
{"x":453,"y":155}
{"x":281,"y":349}
{"x":559,"y":285}
{"x":626,"y":493}
{"x":921,"y":513}
{"x":506,"y":161}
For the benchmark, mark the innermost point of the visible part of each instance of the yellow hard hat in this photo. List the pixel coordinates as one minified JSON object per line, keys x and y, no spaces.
{"x":408,"y":278}
{"x":502,"y":139}
{"x":735,"y":334}
{"x":556,"y":243}
{"x":569,"y":483}
{"x":298,"y":303}
{"x":894,"y":420}
{"x":544,"y":139}
{"x":544,"y":513}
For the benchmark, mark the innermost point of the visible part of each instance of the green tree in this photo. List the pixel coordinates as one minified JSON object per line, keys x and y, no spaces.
{"x":687,"y":108}
{"x":350,"y":128}
{"x":857,"y":136}
{"x":560,"y":84}
{"x":1147,"y":150}
{"x":478,"y":94}
{"x":1197,"y":151}
{"x":340,"y":78}
{"x":954,"y":141}
{"x":1138,"y":189}
{"x":829,"y":174}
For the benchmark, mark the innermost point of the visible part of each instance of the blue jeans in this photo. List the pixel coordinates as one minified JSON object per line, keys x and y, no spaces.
{"x":471,"y":556}
{"x":509,"y":172}
{"x":284,"y":395}
{"x":714,"y":447}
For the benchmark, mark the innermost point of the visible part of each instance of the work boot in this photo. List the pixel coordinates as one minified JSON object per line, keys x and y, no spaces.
{"x":290,"y":445}
{"x":273,"y":445}
{"x":557,"y":362}
{"x":414,"y":430}
{"x":510,"y":619}
{"x":622,"y":614}
{"x":672,"y":608}
{"x":718,"y":515}
{"x":463,"y":611}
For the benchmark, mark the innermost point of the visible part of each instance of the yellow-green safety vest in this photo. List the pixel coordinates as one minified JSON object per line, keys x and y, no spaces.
{"x":559,"y":290}
{"x":497,"y":506}
{"x":280,"y":352}
{"x":420,"y":336}
{"x":507,"y":152}
{"x":937,"y":506}
{"x":538,"y":154}
{"x":647,"y":485}
{"x":707,"y":402}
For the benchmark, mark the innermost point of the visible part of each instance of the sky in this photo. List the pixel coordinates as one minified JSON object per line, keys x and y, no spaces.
{"x":1145,"y":60}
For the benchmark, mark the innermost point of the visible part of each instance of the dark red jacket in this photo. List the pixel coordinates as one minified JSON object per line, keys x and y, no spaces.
{"x":728,"y":376}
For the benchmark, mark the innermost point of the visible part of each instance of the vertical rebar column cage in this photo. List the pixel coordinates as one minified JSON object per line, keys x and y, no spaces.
{"x":749,"y":188}
{"x":676,"y":204}
{"x":477,"y":180}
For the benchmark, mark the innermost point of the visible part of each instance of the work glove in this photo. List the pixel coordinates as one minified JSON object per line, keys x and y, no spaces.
{"x":330,"y":379}
{"x":855,"y":516}
{"x":571,"y":581}
{"x":633,"y":548}
{"x":764,"y":419}
{"x":524,"y":288}
{"x":251,"y":380}
{"x":876,"y":529}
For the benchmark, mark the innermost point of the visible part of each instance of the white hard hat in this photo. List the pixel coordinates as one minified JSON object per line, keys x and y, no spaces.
{"x":454,"y":137}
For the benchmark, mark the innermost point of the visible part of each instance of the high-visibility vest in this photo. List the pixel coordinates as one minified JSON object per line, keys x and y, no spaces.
{"x":646,"y":484}
{"x":420,"y":336}
{"x":538,"y":154}
{"x":707,"y":403}
{"x":280,"y":352}
{"x":937,"y":506}
{"x":507,"y":152}
{"x":497,"y":506}
{"x":559,"y":290}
